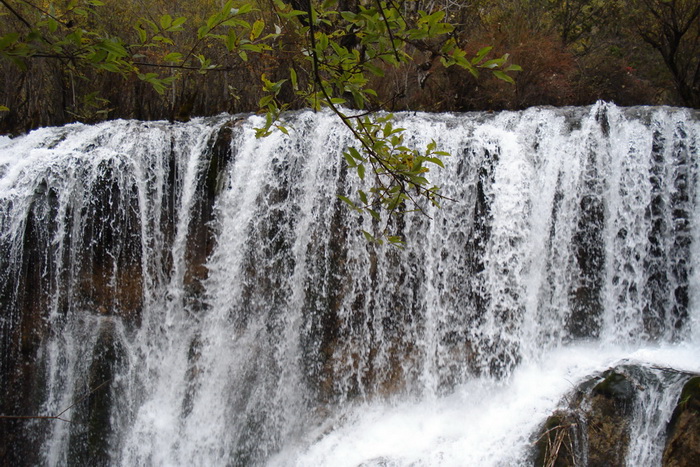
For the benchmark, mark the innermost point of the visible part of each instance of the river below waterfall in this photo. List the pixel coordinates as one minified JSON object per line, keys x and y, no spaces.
{"x":187,"y":294}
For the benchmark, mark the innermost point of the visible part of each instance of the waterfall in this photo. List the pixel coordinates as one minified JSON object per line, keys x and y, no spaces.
{"x":187,"y":294}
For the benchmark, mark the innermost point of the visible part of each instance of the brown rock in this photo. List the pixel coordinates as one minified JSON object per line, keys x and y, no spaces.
{"x":608,"y":420}
{"x":555,"y":445}
{"x":683,"y":441}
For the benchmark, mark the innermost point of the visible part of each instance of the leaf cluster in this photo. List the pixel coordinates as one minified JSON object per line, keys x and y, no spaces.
{"x":333,"y":55}
{"x":343,"y":51}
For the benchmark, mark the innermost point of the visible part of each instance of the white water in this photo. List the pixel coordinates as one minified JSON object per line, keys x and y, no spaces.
{"x":310,"y":347}
{"x":483,"y":422}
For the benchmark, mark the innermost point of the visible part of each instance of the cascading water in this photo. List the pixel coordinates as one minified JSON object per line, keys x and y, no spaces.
{"x":187,"y":294}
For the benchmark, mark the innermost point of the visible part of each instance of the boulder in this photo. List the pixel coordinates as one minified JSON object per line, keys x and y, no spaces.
{"x":683,"y":432}
{"x":593,"y":426}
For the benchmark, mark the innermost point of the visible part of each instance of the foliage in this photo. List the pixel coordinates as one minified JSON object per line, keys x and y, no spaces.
{"x":153,"y":59}
{"x":672,"y":27}
{"x":331,"y":52}
{"x":344,"y":49}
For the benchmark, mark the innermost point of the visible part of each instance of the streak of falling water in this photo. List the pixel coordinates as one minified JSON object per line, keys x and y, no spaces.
{"x":237,"y":317}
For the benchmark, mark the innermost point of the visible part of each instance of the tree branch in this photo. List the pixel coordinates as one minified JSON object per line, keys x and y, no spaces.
{"x":59,"y":416}
{"x":20,"y":17}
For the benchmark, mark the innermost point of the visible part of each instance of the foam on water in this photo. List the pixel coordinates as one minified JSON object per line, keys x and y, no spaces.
{"x":484,"y":422}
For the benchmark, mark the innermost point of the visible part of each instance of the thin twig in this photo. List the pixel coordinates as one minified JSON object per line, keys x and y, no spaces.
{"x":20,"y":17}
{"x":59,"y":416}
{"x":388,"y":29}
{"x":44,"y":12}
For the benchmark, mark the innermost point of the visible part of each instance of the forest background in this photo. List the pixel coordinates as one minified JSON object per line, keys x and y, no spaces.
{"x":571,"y":53}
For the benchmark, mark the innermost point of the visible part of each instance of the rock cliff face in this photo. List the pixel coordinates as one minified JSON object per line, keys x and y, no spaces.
{"x":100,"y":269}
{"x":600,"y":425}
{"x":196,"y":295}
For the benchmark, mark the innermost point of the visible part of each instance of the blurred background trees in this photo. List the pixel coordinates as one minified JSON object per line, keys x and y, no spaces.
{"x":572,"y":52}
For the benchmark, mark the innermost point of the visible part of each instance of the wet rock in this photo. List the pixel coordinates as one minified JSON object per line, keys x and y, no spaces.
{"x":594,"y":428}
{"x":611,"y":404}
{"x":556,"y":444}
{"x":107,"y":254}
{"x":201,"y":235}
{"x":91,"y":426}
{"x":25,"y":287}
{"x":586,"y":302}
{"x":683,"y":432}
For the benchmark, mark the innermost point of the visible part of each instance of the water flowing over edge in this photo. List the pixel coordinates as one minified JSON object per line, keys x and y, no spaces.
{"x":571,"y":247}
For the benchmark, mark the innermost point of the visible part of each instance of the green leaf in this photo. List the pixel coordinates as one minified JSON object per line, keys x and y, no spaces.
{"x":142,"y":34}
{"x":387,"y":129}
{"x":4,"y":108}
{"x":502,"y":76}
{"x":480,"y":55}
{"x":361,"y":171}
{"x":265,"y":100}
{"x":245,"y":8}
{"x":153,"y":26}
{"x":256,"y":29}
{"x":203,"y":31}
{"x":347,"y":201}
{"x":371,"y":238}
{"x":178,"y":22}
{"x":173,"y":57}
{"x":375,"y":70}
{"x":437,"y":16}
{"x":355,"y":154}
{"x":363,"y":197}
{"x":213,"y":19}
{"x":75,"y":37}
{"x":8,"y":40}
{"x":111,"y":67}
{"x":436,"y":161}
{"x":340,"y":51}
{"x":251,"y":47}
{"x":441,"y":29}
{"x":350,"y":161}
{"x":493,"y":63}
{"x":431,"y":19}
{"x":397,"y":241}
{"x":163,"y":39}
{"x":321,"y":41}
{"x":166,"y":21}
{"x":231,"y":40}
{"x":112,"y":47}
{"x":291,"y":14}
{"x":293,"y":77}
{"x":158,"y":84}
